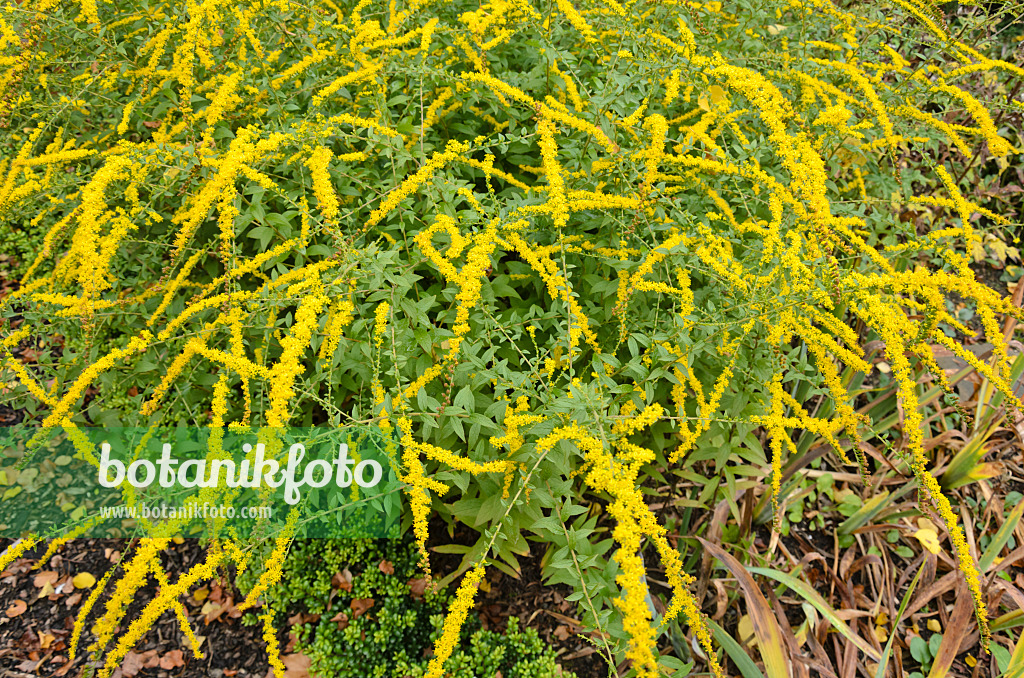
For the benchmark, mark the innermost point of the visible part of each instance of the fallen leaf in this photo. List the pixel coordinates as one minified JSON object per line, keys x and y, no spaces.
{"x":417,"y":587}
{"x":342,"y":580}
{"x":152,"y":659}
{"x":929,"y":540}
{"x":561,"y":632}
{"x":386,"y":567}
{"x":211,"y":610}
{"x":84,"y":580}
{"x":295,"y":665}
{"x":17,"y":608}
{"x":47,"y":590}
{"x":745,"y":629}
{"x":342,"y":619}
{"x":131,"y":664}
{"x":172,"y":660}
{"x":303,"y":618}
{"x":934,"y":625}
{"x":360,"y":606}
{"x":44,"y":578}
{"x":199,"y":642}
{"x":46,"y":640}
{"x":201,"y":594}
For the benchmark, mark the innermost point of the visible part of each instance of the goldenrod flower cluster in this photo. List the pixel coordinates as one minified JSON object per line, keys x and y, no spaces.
{"x":291,"y":201}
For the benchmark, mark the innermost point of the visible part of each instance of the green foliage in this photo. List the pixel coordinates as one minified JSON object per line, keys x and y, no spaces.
{"x":393,"y":636}
{"x":566,"y":252}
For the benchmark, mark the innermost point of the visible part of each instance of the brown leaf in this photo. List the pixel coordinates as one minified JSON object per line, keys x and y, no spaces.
{"x":212,"y":611}
{"x":303,"y":618}
{"x":360,"y":606}
{"x":43,"y":578}
{"x":295,"y":665}
{"x":151,"y":124}
{"x":73,"y":599}
{"x":46,"y":640}
{"x":561,"y":632}
{"x":342,"y":620}
{"x":172,"y":660}
{"x":766,"y":628}
{"x":131,"y":664}
{"x":386,"y":567}
{"x":152,"y":659}
{"x":418,"y":587}
{"x":342,"y":580}
{"x":17,"y":608}
{"x":30,"y":355}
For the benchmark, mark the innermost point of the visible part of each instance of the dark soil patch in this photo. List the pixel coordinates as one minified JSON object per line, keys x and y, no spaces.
{"x":537,"y":605}
{"x":36,"y":642}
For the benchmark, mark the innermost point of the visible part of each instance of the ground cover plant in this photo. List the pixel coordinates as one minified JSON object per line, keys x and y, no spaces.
{"x":572,"y":259}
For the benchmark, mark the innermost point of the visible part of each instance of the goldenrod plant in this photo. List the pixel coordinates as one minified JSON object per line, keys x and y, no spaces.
{"x":552,"y":249}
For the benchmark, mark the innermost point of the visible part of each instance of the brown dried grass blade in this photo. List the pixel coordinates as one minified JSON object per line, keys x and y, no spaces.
{"x":954,"y":633}
{"x":766,"y":628}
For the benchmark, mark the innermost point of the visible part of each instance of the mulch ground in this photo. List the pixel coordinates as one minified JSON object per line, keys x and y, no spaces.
{"x":39,"y":606}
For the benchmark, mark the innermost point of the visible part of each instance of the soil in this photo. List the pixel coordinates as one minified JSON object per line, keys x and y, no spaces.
{"x":537,"y":605}
{"x":36,"y":642}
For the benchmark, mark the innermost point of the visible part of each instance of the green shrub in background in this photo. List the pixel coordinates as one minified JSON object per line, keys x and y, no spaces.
{"x":391,"y":618}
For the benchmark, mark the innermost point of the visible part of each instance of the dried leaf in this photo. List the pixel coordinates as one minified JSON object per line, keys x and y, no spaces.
{"x":296,"y":665}
{"x":44,"y":578}
{"x":342,"y":580}
{"x":956,"y":630}
{"x":131,"y":664}
{"x":766,"y":628}
{"x":929,"y":540}
{"x":172,"y":660}
{"x":360,"y":606}
{"x":342,"y":619}
{"x":386,"y":567}
{"x":418,"y":587}
{"x":84,"y":580}
{"x":17,"y":608}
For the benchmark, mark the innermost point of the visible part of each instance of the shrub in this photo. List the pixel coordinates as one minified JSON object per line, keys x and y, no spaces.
{"x":404,"y":617}
{"x":558,"y":250}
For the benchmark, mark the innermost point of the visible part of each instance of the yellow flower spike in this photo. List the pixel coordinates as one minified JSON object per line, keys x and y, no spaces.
{"x":458,"y":610}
